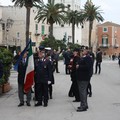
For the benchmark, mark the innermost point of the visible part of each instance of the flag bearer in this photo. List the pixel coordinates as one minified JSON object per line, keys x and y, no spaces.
{"x":21,"y":75}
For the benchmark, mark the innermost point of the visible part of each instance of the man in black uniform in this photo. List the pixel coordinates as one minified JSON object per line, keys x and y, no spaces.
{"x":43,"y":74}
{"x":84,"y":70}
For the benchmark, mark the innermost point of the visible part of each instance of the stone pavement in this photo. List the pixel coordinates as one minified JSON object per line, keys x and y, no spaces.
{"x":103,"y":105}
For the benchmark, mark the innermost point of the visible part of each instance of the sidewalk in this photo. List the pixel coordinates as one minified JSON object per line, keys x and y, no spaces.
{"x":103,"y":105}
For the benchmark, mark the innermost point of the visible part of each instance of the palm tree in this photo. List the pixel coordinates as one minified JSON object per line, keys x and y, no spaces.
{"x":53,"y":13}
{"x":74,"y":18}
{"x":90,"y":13}
{"x":28,"y":4}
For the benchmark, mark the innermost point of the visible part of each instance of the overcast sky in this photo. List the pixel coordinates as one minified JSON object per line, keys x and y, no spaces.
{"x":111,"y":8}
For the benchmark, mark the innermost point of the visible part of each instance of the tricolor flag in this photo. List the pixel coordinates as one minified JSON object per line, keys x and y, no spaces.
{"x":21,"y":55}
{"x":29,"y":76}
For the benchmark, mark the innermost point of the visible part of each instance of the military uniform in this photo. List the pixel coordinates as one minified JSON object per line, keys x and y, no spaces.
{"x":43,"y":74}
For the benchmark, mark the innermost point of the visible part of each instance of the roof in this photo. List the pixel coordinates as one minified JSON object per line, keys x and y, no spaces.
{"x":109,"y":24}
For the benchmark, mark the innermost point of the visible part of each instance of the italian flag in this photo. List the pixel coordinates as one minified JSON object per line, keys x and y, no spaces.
{"x":29,"y":76}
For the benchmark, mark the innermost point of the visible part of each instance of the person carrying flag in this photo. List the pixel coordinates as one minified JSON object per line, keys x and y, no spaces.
{"x":25,"y":74}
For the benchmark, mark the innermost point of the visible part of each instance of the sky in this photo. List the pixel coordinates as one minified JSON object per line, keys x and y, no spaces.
{"x":110,"y":8}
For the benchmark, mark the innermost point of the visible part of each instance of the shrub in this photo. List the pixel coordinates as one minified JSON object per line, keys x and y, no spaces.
{"x":6,"y":57}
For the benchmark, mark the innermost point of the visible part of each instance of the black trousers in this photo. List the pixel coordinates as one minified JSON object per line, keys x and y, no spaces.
{"x":41,"y":90}
{"x":89,"y":88}
{"x":75,"y":90}
{"x":56,"y":66}
{"x":98,"y":65}
{"x":50,"y":90}
{"x":67,"y":70}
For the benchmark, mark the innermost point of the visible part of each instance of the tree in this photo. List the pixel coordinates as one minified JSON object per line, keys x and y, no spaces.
{"x":53,"y":13}
{"x":74,"y":18}
{"x":90,"y":13}
{"x":28,"y":4}
{"x":53,"y":43}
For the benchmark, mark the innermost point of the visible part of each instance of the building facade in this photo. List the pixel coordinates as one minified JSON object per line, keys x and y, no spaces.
{"x":65,"y":30}
{"x":108,"y":35}
{"x":13,"y":27}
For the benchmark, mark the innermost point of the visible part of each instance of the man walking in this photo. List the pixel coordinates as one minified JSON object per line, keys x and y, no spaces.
{"x":98,"y":61}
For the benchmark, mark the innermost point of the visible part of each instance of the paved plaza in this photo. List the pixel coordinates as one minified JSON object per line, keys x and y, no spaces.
{"x":103,"y":105}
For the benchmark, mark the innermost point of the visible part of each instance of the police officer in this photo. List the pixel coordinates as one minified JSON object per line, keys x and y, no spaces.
{"x":42,"y":76}
{"x":52,"y":81}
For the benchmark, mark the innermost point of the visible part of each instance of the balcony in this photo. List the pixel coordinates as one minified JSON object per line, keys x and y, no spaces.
{"x":116,"y":45}
{"x":104,"y":45}
{"x":37,"y":33}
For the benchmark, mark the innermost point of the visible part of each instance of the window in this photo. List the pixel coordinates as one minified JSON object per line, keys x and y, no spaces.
{"x":43,"y":30}
{"x":36,"y":28}
{"x":18,"y":35}
{"x":104,"y":41}
{"x":105,"y":29}
{"x":3,"y":26}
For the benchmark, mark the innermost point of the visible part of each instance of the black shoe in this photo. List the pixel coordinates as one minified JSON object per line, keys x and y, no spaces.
{"x":21,"y":104}
{"x":38,"y":104}
{"x":90,"y":94}
{"x":81,"y":109}
{"x":28,"y":104}
{"x":70,"y":94}
{"x":50,"y":97}
{"x":57,"y":72}
{"x":76,"y":100}
{"x":45,"y":104}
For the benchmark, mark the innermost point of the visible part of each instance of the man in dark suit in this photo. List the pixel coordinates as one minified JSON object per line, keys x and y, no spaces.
{"x":98,"y":61}
{"x":21,"y":75}
{"x":43,"y":74}
{"x":67,"y":55}
{"x":84,"y":71}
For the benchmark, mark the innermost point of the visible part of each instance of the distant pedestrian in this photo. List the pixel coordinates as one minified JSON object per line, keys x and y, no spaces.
{"x":55,"y":57}
{"x":67,"y":55}
{"x":98,"y":61}
{"x":119,"y":59}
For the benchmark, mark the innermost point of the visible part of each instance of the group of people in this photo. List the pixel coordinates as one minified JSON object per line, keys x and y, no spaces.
{"x":45,"y":65}
{"x":79,"y":65}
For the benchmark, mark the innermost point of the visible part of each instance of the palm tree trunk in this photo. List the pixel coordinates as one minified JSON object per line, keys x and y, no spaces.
{"x":51,"y":30}
{"x":73,"y":33}
{"x":27,"y":23}
{"x":90,"y":32}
